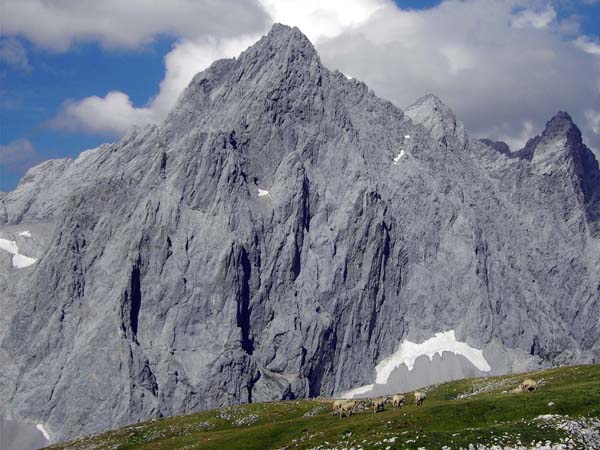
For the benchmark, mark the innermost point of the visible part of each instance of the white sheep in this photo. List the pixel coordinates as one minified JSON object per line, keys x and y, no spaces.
{"x":528,"y":385}
{"x":337,"y":405}
{"x":378,"y":404}
{"x":398,"y":400}
{"x":347,"y":408}
{"x":420,"y":397}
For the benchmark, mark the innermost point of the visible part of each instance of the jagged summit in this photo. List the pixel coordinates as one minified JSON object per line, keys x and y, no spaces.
{"x":562,"y":125}
{"x":437,"y":118}
{"x":282,"y":42}
{"x":558,"y":144}
{"x":560,"y":128}
{"x":282,"y":63}
{"x":433,"y":101}
{"x":561,"y":116}
{"x":284,"y":33}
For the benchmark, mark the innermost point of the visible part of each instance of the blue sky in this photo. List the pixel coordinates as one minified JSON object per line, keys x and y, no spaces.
{"x":29,"y":99}
{"x":48,"y":75}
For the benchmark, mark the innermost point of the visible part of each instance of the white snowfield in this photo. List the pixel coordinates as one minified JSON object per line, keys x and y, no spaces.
{"x":407,"y":136}
{"x":25,"y":234}
{"x":9,"y":246}
{"x":40,"y":426}
{"x":408,"y":352}
{"x":19,"y":261}
{"x":263,"y":193}
{"x":399,"y":156}
{"x":356,"y":391}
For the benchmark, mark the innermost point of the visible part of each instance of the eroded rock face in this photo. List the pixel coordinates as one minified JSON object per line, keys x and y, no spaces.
{"x":169,"y":281}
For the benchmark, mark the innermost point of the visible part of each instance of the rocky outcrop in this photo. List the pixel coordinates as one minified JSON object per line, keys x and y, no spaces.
{"x":279,"y":235}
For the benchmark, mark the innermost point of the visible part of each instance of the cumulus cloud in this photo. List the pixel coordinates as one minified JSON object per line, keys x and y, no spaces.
{"x":593,"y":117}
{"x":322,"y":19}
{"x":18,"y":156}
{"x":13,"y":53}
{"x":539,"y":18}
{"x":588,"y":45}
{"x":112,"y":114}
{"x":57,"y":24}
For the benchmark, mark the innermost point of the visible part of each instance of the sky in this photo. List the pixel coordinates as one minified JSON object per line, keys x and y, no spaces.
{"x":77,"y":73}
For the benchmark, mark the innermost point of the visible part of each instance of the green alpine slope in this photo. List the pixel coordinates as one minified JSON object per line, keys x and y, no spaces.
{"x":483,"y":412}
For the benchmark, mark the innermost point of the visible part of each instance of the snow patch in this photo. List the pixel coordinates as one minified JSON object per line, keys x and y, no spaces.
{"x":263,"y":193}
{"x":399,"y":156}
{"x":356,"y":391}
{"x":40,"y":427}
{"x":25,"y":234}
{"x":407,"y":136}
{"x":348,"y":76}
{"x":408,"y":352}
{"x":9,"y":246}
{"x":19,"y":261}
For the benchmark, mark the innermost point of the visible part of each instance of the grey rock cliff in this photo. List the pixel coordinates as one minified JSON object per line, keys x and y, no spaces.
{"x":277,"y":237}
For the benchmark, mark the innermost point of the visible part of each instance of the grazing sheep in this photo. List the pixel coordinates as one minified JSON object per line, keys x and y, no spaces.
{"x":398,"y":400}
{"x":528,"y":385}
{"x":378,"y":404}
{"x":420,"y":397}
{"x":337,"y":405}
{"x":347,"y":408}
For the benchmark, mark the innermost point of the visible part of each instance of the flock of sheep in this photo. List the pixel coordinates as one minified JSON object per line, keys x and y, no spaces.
{"x":345,"y":408}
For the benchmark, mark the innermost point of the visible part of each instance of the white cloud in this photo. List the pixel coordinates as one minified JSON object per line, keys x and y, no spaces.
{"x":13,"y":53}
{"x":57,"y":24}
{"x":540,"y":18}
{"x":113,"y":114}
{"x":593,"y":117}
{"x":18,"y":156}
{"x":320,"y":19}
{"x":588,"y":45}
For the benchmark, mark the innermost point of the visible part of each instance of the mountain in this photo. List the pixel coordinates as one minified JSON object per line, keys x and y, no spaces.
{"x":286,"y":233}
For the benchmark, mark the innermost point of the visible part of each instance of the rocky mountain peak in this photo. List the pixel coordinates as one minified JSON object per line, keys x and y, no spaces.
{"x":285,"y":34}
{"x":437,"y":118}
{"x":562,"y":125}
{"x":282,"y":43}
{"x":283,"y":63}
{"x":558,"y":146}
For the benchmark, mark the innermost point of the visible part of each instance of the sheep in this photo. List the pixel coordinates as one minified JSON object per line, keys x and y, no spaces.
{"x":420,"y":397}
{"x":528,"y":385}
{"x":398,"y":400}
{"x":378,"y":404}
{"x":337,"y":405}
{"x":347,"y":408}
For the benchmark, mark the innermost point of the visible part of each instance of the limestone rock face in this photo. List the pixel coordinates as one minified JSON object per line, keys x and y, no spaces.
{"x":278,"y":236}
